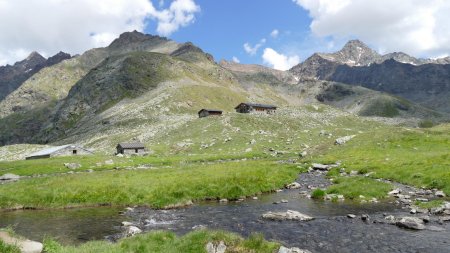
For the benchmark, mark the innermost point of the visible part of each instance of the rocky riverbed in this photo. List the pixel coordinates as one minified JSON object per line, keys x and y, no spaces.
{"x":343,"y":226}
{"x":288,"y":216}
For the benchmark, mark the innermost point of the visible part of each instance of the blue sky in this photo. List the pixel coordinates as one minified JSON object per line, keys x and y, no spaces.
{"x":223,"y":27}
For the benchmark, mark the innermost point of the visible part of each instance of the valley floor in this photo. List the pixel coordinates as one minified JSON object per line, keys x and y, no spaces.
{"x":416,"y":157}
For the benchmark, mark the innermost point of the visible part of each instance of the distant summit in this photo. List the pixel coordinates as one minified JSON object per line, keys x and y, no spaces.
{"x":424,"y":81}
{"x":11,"y":77}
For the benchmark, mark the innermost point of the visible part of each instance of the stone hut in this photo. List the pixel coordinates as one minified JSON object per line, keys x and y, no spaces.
{"x":65,"y":150}
{"x":209,"y":112}
{"x":130,"y":148}
{"x":255,"y":108}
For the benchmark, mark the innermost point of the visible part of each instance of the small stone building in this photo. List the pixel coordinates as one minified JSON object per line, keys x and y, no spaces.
{"x":130,"y":148}
{"x":65,"y":150}
{"x":209,"y":112}
{"x":258,"y":108}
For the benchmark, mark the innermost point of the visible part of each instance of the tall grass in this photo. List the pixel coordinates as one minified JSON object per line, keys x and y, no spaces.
{"x":168,"y":242}
{"x":419,"y":157}
{"x":156,"y":188}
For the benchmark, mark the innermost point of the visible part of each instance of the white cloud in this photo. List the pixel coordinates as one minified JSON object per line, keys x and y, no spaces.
{"x":274,"y":33}
{"x":180,"y":13}
{"x":413,"y":26}
{"x":235,"y":59}
{"x":279,"y":61}
{"x":77,"y":25}
{"x":252,"y":50}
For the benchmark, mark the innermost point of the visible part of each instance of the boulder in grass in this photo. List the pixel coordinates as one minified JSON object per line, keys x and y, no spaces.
{"x":25,"y":246}
{"x":343,"y":140}
{"x":9,"y":177}
{"x":319,"y":166}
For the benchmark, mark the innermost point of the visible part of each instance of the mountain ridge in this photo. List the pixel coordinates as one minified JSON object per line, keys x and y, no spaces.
{"x":12,"y":76}
{"x":143,"y":85}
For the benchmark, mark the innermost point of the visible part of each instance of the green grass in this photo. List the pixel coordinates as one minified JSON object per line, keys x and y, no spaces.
{"x":155,"y":187}
{"x":168,"y":242}
{"x":353,"y":187}
{"x":430,"y":204}
{"x":418,"y":157}
{"x":318,"y":194}
{"x":55,"y":165}
{"x":6,"y":248}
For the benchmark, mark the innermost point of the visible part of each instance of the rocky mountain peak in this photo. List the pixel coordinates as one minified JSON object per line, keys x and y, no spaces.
{"x":32,"y":60}
{"x":133,"y":37}
{"x":356,"y":45}
{"x":355,"y":53}
{"x":61,"y":56}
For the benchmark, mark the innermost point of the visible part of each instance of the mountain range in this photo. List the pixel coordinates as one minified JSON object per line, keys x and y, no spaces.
{"x":423,"y":81}
{"x":142,"y":86}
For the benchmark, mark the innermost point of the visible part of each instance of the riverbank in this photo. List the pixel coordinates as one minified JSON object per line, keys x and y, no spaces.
{"x":167,"y":242}
{"x":157,"y":188}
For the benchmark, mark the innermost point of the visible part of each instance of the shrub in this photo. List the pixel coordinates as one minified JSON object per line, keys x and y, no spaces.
{"x":318,"y":194}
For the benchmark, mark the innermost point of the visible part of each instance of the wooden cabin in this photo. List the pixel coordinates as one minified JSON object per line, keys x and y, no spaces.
{"x":255,"y":108}
{"x":130,"y":148}
{"x":209,"y":112}
{"x":65,"y":150}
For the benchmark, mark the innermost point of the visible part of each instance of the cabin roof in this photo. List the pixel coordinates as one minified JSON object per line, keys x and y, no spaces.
{"x":257,"y":105}
{"x":131,"y":145}
{"x":210,"y":110}
{"x":51,"y":150}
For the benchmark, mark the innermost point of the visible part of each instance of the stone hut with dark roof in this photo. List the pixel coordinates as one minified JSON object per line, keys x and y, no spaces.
{"x":130,"y":148}
{"x":209,"y":112}
{"x":258,"y":108}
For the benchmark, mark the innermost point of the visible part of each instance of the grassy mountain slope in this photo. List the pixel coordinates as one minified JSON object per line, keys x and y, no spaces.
{"x":366,"y":102}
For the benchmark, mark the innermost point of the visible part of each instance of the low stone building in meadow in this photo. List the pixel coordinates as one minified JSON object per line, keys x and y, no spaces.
{"x":65,"y":150}
{"x":130,"y":148}
{"x":258,"y":108}
{"x":209,"y":112}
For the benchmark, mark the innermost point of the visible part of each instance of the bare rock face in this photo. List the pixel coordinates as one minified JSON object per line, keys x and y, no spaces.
{"x":11,"y":77}
{"x":288,"y":215}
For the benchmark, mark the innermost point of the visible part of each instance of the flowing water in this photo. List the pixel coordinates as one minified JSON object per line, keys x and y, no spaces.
{"x":68,"y":226}
{"x":331,"y":231}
